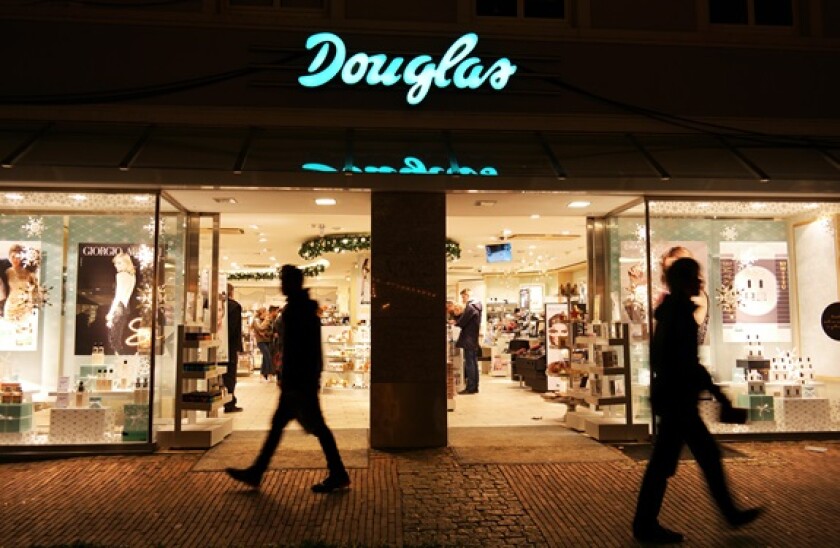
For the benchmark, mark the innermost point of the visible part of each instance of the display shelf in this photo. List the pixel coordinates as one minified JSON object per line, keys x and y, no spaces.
{"x":189,"y":430}
{"x":592,"y":421}
{"x":604,"y":400}
{"x":604,"y":371}
{"x":118,"y":392}
{"x":209,"y":374}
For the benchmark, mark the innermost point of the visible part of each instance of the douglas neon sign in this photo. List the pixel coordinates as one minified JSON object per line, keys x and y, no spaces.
{"x":420,"y":73}
{"x":413,"y":166}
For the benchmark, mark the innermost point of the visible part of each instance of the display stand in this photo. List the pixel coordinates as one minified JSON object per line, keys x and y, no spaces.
{"x":346,"y":357}
{"x":198,"y":389}
{"x":608,"y":372}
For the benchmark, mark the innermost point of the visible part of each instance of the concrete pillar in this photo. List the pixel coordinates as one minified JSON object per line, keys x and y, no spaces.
{"x":408,"y":320}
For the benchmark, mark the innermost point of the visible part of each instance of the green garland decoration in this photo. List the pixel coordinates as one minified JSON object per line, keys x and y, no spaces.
{"x":309,"y":271}
{"x":353,"y":243}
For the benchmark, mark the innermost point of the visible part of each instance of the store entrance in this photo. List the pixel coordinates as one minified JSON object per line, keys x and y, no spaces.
{"x":524,"y":258}
{"x":523,"y":255}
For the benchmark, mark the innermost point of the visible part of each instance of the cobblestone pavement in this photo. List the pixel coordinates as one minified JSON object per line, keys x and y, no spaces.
{"x":413,"y":498}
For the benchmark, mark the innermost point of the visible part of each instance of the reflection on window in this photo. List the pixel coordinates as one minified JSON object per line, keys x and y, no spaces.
{"x":292,"y":4}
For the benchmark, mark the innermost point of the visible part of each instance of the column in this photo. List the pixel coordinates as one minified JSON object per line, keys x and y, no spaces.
{"x":408,"y":320}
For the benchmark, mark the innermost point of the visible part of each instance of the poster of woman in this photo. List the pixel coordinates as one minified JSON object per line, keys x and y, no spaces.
{"x":106,"y":303}
{"x":20,"y":294}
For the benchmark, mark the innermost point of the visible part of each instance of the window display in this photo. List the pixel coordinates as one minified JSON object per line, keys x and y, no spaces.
{"x":770,"y":271}
{"x":79,"y":306}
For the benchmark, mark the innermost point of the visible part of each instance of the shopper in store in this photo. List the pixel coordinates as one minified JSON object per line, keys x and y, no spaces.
{"x":299,"y":387}
{"x":234,"y":341}
{"x":678,"y":380}
{"x":261,"y":331}
{"x":469,"y":320}
{"x":277,"y":344}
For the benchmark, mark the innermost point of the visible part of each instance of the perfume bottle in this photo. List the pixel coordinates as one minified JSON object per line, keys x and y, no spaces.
{"x":81,"y":395}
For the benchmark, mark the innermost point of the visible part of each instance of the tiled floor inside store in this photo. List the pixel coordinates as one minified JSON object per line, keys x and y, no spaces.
{"x":500,"y":402}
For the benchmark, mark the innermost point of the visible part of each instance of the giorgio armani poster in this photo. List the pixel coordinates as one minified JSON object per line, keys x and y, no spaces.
{"x":107,"y":311}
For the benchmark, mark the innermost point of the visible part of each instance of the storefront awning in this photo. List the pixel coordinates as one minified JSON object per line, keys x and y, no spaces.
{"x":276,"y":154}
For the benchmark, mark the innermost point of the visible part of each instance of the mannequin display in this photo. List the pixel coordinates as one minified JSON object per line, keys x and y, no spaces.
{"x":118,"y":316}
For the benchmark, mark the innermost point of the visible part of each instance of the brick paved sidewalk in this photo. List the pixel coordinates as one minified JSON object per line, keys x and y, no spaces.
{"x":411,"y":499}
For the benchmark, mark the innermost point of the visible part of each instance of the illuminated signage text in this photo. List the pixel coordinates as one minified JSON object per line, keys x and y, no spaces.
{"x":413,"y":166}
{"x":420,"y":73}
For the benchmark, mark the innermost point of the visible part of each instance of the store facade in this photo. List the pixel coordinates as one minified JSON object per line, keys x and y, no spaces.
{"x":755,"y":206}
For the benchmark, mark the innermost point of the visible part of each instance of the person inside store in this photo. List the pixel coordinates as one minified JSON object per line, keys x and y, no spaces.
{"x":678,"y":380}
{"x":469,"y":320}
{"x":261,"y":331}
{"x":300,"y":384}
{"x":234,"y":342}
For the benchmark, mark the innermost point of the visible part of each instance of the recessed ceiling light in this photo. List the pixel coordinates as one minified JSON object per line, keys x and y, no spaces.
{"x":255,"y":227}
{"x":140,"y":197}
{"x":272,"y":258}
{"x":78,"y":197}
{"x":758,"y":205}
{"x":507,"y":232}
{"x":225,"y":200}
{"x":325,"y":201}
{"x":14,"y":196}
{"x":535,"y":216}
{"x":263,"y":240}
{"x":579,"y":204}
{"x":565,"y":232}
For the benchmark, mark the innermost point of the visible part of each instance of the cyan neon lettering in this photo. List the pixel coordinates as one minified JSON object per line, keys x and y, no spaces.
{"x":323,"y":39}
{"x":419,"y":73}
{"x":412,"y":166}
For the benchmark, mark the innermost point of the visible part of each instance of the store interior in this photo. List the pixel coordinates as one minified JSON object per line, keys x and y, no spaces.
{"x":537,"y":244}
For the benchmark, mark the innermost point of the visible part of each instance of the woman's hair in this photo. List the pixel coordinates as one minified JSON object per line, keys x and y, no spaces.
{"x":682,"y":274}
{"x":675,"y":252}
{"x":123,"y":263}
{"x":16,"y":248}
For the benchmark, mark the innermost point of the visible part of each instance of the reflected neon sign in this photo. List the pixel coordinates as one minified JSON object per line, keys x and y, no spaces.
{"x":412,"y":166}
{"x":420,"y":73}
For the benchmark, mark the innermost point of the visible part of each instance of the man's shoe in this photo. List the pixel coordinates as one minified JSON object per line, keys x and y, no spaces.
{"x":743,"y":517}
{"x":248,"y":476}
{"x":465,"y":392}
{"x":332,"y":483}
{"x":233,"y":409}
{"x":656,"y":534}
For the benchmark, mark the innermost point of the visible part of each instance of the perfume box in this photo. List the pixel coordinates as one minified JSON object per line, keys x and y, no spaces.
{"x":760,"y":407}
{"x":15,"y":417}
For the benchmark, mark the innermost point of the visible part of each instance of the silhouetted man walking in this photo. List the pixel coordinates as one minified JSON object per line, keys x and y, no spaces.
{"x":299,"y":385}
{"x":678,"y":380}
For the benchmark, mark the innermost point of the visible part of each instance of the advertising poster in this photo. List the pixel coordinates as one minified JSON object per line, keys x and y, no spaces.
{"x":20,"y":294}
{"x":634,"y":298}
{"x":557,"y":347}
{"x":107,"y":308}
{"x":755,"y":292}
{"x":364,"y":280}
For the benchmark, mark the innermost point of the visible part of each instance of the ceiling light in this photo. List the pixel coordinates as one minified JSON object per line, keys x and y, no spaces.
{"x":272,"y":258}
{"x":78,"y":197}
{"x":141,"y":198}
{"x":225,"y":200}
{"x":579,"y":204}
{"x":262,"y":240}
{"x":565,"y":232}
{"x":255,"y":227}
{"x":325,"y":201}
{"x":758,"y":205}
{"x":535,"y":216}
{"x":507,"y":232}
{"x":14,"y":196}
